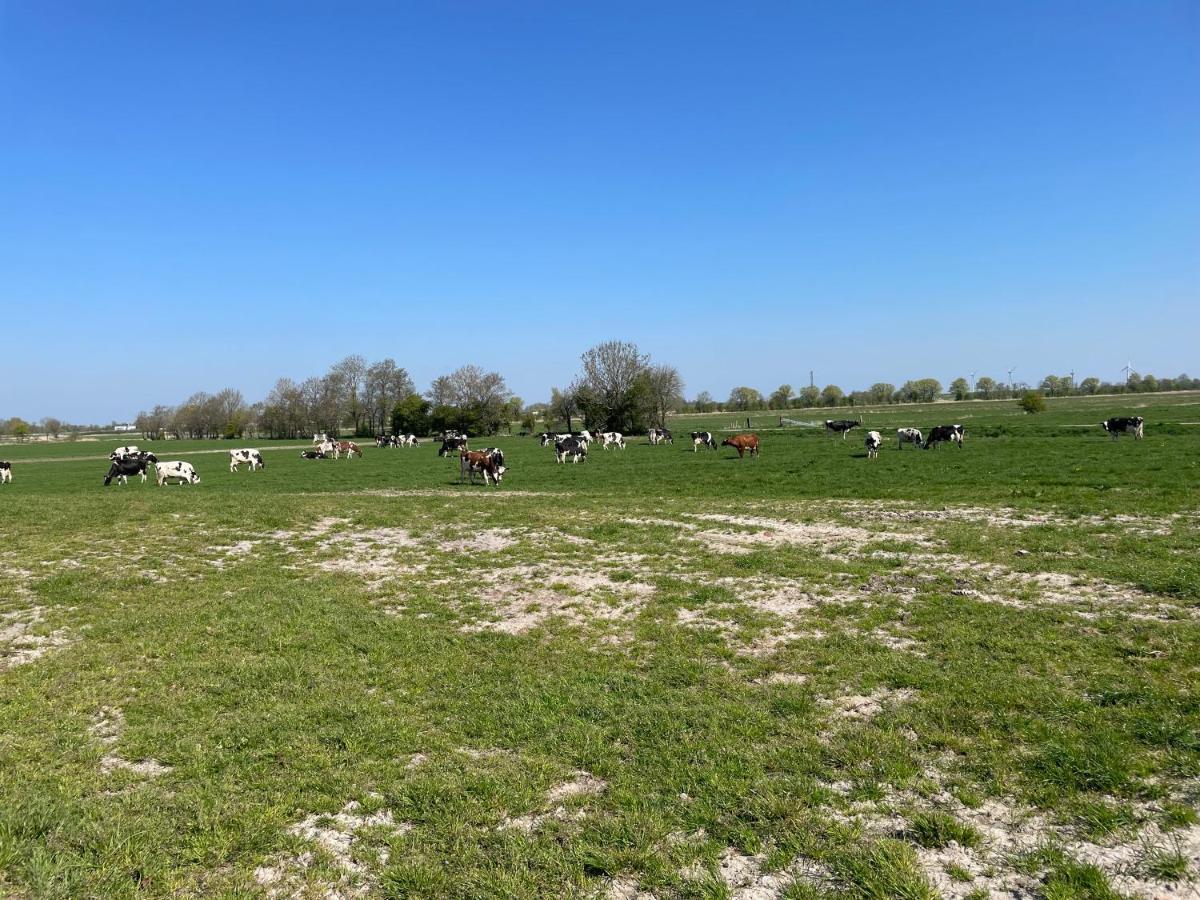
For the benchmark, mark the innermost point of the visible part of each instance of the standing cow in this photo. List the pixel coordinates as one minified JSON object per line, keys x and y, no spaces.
{"x":742,"y":443}
{"x":660,"y":436}
{"x":703,"y":439}
{"x":908,"y":436}
{"x":874,"y":440}
{"x":1125,"y":425}
{"x":247,"y":457}
{"x":940,"y":433}
{"x":5,"y":472}
{"x":840,"y":426}
{"x":183,"y":472}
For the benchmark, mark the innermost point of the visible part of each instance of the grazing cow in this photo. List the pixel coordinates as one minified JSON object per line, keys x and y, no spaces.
{"x":741,"y":443}
{"x":572,"y":447}
{"x":703,"y":439}
{"x":184,"y":472}
{"x":940,"y":433}
{"x":489,"y":462}
{"x":452,"y":444}
{"x":874,"y":441}
{"x":614,"y":438}
{"x":251,"y":458}
{"x":5,"y":472}
{"x":349,"y":448}
{"x":386,"y":440}
{"x":122,"y":452}
{"x":660,"y":436}
{"x":1124,"y":425}
{"x":840,"y":426}
{"x":908,"y":436}
{"x":405,"y":440}
{"x":122,"y":468}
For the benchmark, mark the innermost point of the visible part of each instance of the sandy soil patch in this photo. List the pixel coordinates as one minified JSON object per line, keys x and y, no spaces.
{"x":861,"y":707}
{"x":744,"y":878}
{"x":106,"y":728}
{"x":20,"y":642}
{"x":345,"y":837}
{"x":582,"y":784}
{"x":488,"y":540}
{"x":523,"y":597}
{"x":373,"y":553}
{"x":825,"y":536}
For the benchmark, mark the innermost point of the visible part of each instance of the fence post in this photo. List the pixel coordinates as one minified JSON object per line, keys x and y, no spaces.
{"x":748,"y":423}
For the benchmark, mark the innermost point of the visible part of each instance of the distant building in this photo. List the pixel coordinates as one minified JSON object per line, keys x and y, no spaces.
{"x":125,"y":427}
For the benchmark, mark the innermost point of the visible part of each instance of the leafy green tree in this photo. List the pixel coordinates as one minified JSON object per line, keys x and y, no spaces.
{"x":1033,"y":402}
{"x":411,"y":415}
{"x":810,"y":396}
{"x":832,"y":395}
{"x":986,"y":387}
{"x":744,"y":398}
{"x":781,"y":398}
{"x":881,"y":392}
{"x":960,"y":389}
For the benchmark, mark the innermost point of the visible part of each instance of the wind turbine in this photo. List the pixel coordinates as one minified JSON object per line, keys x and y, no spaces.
{"x":1128,"y":370}
{"x":1010,"y":371}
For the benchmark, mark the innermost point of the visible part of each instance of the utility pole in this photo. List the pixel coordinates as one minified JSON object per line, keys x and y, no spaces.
{"x":810,"y":378}
{"x":1010,"y":381}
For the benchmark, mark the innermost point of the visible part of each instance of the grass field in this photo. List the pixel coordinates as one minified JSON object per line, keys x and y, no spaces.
{"x":958,"y":673}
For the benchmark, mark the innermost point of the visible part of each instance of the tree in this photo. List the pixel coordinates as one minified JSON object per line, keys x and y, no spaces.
{"x":1051,"y":385}
{"x":923,"y":390}
{"x":52,"y":426}
{"x":781,"y":397}
{"x":411,"y":415}
{"x":17,"y":427}
{"x":986,"y":387}
{"x":704,"y":402}
{"x":1089,"y":385}
{"x":349,"y":375}
{"x":564,"y":405}
{"x":832,"y":395}
{"x":960,"y":388}
{"x":664,"y":391}
{"x":1033,"y":402}
{"x":469,"y":399}
{"x":881,"y":392}
{"x":809,"y":396}
{"x":384,"y":385}
{"x":744,"y":398}
{"x":614,"y":388}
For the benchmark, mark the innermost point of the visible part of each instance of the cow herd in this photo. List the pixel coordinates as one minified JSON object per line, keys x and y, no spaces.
{"x":568,"y":447}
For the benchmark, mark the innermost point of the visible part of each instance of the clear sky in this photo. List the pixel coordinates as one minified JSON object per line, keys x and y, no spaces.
{"x":210,"y":194}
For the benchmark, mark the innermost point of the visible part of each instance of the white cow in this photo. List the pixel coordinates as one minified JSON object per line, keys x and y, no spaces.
{"x":183,"y":472}
{"x":908,"y":436}
{"x":5,"y":472}
{"x":874,"y":441}
{"x":251,"y":458}
{"x":406,"y":440}
{"x":614,"y":438}
{"x":329,"y":448}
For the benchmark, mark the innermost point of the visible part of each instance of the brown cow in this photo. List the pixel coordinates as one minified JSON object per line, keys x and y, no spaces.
{"x":349,"y":448}
{"x":489,"y":463}
{"x":741,"y":443}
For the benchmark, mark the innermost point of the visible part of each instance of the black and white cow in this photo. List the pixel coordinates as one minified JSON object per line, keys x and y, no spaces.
{"x":182,"y":472}
{"x":611,"y":438}
{"x":908,"y":436}
{"x":660,"y":436}
{"x":1124,"y":425}
{"x":452,"y":445}
{"x":386,"y":440}
{"x":405,"y":440}
{"x":873,"y":442}
{"x":840,"y":426}
{"x":312,"y":454}
{"x":940,"y":433}
{"x":247,"y":457}
{"x":703,"y":439}
{"x":5,"y":472}
{"x":571,"y":447}
{"x":122,"y":452}
{"x":122,"y":468}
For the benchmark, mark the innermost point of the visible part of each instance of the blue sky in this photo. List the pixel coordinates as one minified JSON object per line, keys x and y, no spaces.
{"x":202,"y":195}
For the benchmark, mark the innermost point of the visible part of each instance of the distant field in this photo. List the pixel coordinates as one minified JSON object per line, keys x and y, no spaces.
{"x":959,"y":673}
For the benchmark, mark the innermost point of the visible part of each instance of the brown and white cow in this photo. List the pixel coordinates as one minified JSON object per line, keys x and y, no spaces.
{"x":349,"y":448}
{"x":742,"y":443}
{"x":489,"y":463}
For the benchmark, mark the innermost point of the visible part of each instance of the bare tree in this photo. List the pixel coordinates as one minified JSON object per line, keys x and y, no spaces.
{"x":350,"y":374}
{"x":386,"y":384}
{"x":614,"y":386}
{"x":471,"y":399}
{"x":665,"y":392}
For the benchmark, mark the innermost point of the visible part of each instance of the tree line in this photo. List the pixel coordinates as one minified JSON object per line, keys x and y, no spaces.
{"x":618,"y":388}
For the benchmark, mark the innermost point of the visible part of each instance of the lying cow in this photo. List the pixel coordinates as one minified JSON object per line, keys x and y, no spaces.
{"x":488,"y":462}
{"x":703,"y":439}
{"x":452,"y":445}
{"x":5,"y":472}
{"x":660,"y":436}
{"x":1124,"y":425}
{"x":908,"y":436}
{"x":251,"y":458}
{"x":840,"y":426}
{"x":312,"y":454}
{"x":575,"y":448}
{"x":874,"y":441}
{"x":613,"y":438}
{"x":183,"y":472}
{"x":940,"y":433}
{"x":742,"y":443}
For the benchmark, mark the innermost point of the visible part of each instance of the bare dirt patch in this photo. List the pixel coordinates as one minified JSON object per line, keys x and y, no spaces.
{"x":20,"y":640}
{"x":758,"y":532}
{"x":582,"y":784}
{"x":521,"y":598}
{"x":488,"y":540}
{"x":744,"y":878}
{"x":106,"y":728}
{"x":373,"y":554}
{"x":860,"y":707}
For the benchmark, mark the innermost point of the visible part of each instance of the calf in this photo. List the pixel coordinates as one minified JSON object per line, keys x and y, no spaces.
{"x":5,"y":472}
{"x":940,"y":433}
{"x":840,"y":426}
{"x":451,"y":444}
{"x":660,"y":436}
{"x":742,"y":443}
{"x":874,"y":441}
{"x":488,"y":462}
{"x":614,"y":438}
{"x":703,"y":439}
{"x":572,"y":447}
{"x":1124,"y":425}
{"x":908,"y":436}
{"x":183,"y":472}
{"x":251,"y":458}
